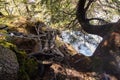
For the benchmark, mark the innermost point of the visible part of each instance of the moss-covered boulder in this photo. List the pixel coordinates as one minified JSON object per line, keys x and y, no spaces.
{"x":8,"y":64}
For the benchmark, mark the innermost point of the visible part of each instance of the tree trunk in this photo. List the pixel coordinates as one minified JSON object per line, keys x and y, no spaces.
{"x":108,"y":51}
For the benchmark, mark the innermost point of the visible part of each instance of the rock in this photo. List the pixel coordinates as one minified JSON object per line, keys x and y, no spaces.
{"x":8,"y":64}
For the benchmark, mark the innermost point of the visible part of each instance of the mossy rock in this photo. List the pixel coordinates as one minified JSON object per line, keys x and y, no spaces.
{"x":27,"y":66}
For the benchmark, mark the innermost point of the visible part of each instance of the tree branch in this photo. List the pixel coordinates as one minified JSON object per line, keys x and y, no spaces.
{"x":100,"y":30}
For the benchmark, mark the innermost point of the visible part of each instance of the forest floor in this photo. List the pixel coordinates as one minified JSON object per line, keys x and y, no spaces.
{"x":42,"y":55}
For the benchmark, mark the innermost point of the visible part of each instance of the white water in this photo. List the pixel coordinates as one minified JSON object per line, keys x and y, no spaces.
{"x":80,"y":44}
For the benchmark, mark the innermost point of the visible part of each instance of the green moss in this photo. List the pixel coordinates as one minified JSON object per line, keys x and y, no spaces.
{"x":31,"y":66}
{"x":27,"y":67}
{"x":6,"y":44}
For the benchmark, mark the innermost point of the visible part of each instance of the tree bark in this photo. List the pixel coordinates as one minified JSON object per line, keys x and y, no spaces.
{"x":108,"y":51}
{"x":100,"y":30}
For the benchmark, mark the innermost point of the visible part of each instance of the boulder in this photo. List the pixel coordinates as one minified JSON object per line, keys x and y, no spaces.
{"x":8,"y":64}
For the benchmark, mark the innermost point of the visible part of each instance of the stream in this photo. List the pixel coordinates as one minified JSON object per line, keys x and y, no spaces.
{"x":83,"y":43}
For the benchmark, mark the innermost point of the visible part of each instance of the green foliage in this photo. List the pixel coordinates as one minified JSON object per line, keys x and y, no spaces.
{"x":61,"y":11}
{"x":53,"y":12}
{"x":56,"y":13}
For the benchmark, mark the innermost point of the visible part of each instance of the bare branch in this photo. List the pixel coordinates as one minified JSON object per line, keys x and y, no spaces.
{"x":100,"y":30}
